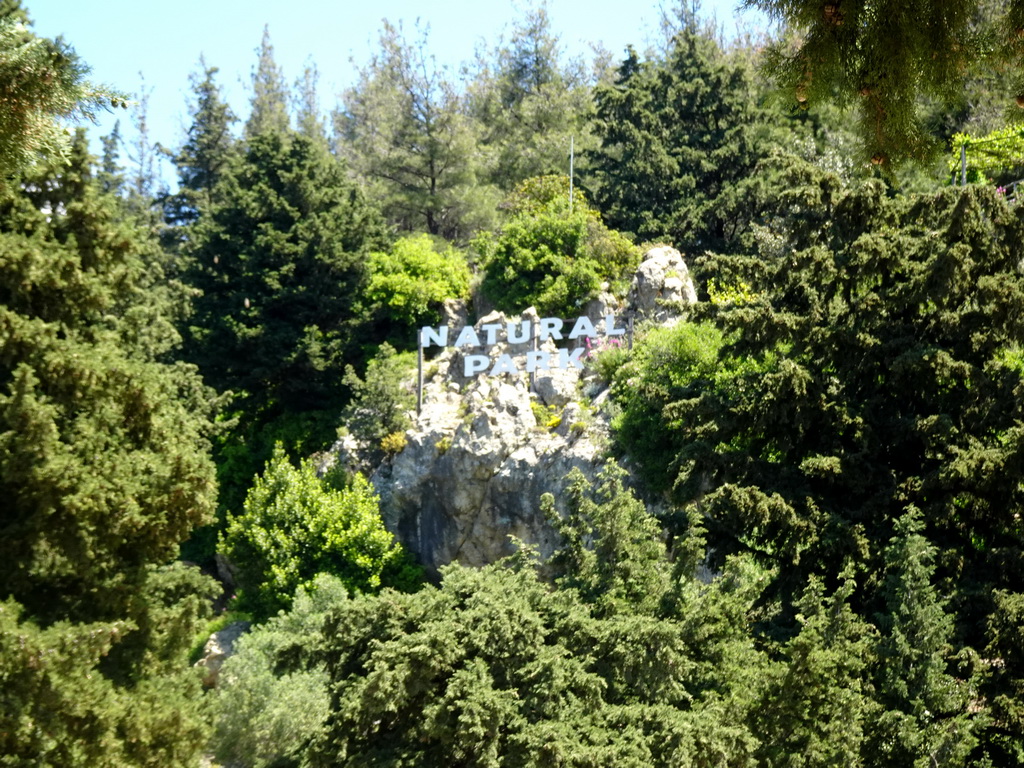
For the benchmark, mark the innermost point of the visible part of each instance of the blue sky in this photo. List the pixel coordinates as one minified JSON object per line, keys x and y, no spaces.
{"x":120,"y":39}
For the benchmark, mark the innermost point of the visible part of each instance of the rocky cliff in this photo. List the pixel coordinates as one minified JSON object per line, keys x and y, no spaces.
{"x":484,"y":448}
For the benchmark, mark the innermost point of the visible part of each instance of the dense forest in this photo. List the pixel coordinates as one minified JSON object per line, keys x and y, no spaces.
{"x":833,"y":437}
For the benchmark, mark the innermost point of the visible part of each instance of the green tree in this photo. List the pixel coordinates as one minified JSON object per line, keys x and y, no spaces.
{"x":549,"y":255}
{"x":380,"y":400}
{"x":925,"y":706}
{"x":204,"y":157}
{"x":496,"y":667}
{"x":280,"y":263}
{"x":1004,"y":687}
{"x":868,"y":364}
{"x":266,"y":716}
{"x":530,"y":103}
{"x":846,"y":51}
{"x":43,"y":85}
{"x":679,"y":140}
{"x":105,"y":469}
{"x":269,"y":101}
{"x":403,"y":132}
{"x":294,"y":527}
{"x":411,"y":281}
{"x":816,"y":705}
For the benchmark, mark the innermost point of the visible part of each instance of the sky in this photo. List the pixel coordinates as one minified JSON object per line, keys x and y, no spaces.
{"x":130,"y":45}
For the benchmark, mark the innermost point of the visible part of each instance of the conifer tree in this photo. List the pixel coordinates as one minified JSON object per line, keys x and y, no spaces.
{"x":532,"y":106}
{"x":679,"y":138}
{"x":43,"y":84}
{"x":816,"y":705}
{"x":403,"y":132}
{"x":279,"y":259}
{"x":883,"y":57}
{"x":104,"y":470}
{"x":207,"y":149}
{"x":269,"y":100}
{"x":925,"y":707}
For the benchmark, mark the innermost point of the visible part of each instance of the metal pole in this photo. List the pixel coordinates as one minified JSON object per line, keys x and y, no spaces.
{"x":630,"y":333}
{"x":572,"y":160}
{"x":963,"y":164}
{"x":533,"y":343}
{"x":419,"y":375}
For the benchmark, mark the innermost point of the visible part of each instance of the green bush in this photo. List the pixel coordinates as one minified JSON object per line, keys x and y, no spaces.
{"x":294,"y":526}
{"x":265,"y":716}
{"x":380,"y":399}
{"x":549,"y":256}
{"x":413,"y":278}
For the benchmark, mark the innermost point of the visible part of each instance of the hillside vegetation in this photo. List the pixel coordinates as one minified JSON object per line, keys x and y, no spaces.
{"x":832,"y":438}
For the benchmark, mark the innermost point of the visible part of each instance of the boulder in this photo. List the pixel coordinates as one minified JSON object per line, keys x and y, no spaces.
{"x":218,"y":649}
{"x":662,"y":282}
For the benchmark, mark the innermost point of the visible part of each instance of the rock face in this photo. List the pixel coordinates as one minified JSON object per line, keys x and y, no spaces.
{"x":481,"y":454}
{"x":218,"y":649}
{"x":661,"y":280}
{"x":485,"y":448}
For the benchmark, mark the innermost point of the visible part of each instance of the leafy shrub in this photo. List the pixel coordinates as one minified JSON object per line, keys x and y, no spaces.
{"x":606,"y":356}
{"x":393,"y":443}
{"x":264,"y":717}
{"x":413,"y":278}
{"x":295,"y":527}
{"x":380,"y":399}
{"x":663,"y":363}
{"x":548,"y":256}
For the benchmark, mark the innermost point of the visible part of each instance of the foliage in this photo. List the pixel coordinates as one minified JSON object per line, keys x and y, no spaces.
{"x":845,"y":51}
{"x":411,"y":280}
{"x":531,"y":105}
{"x":381,"y":399}
{"x":999,"y":154}
{"x":204,"y":157}
{"x":42,"y":85}
{"x":550,"y":256}
{"x":104,"y":469}
{"x":278,"y":264}
{"x":611,"y":551}
{"x":874,"y":371}
{"x":294,"y":527}
{"x":925,"y":706}
{"x":269,"y":100}
{"x":680,"y":138}
{"x":265,"y":717}
{"x":494,"y":667}
{"x":665,"y":363}
{"x":816,"y":704}
{"x":403,"y":133}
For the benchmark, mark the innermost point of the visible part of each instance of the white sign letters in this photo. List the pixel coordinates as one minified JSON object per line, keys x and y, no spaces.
{"x":518,"y":333}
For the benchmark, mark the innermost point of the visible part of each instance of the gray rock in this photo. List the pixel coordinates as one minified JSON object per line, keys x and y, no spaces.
{"x":218,"y":649}
{"x":662,"y":278}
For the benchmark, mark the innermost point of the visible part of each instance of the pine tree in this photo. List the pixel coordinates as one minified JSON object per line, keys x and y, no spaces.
{"x":309,"y":120}
{"x":43,"y":84}
{"x":269,"y":101}
{"x":531,"y":105}
{"x":403,"y":133}
{"x":679,"y":139}
{"x":204,"y":156}
{"x":925,"y":717}
{"x":883,"y":58}
{"x":279,"y":260}
{"x":815,"y":707}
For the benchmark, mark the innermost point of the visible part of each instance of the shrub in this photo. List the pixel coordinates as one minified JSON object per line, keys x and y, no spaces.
{"x":295,"y":527}
{"x":549,"y":256}
{"x":380,"y":399}
{"x":264,"y":716}
{"x":413,"y":278}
